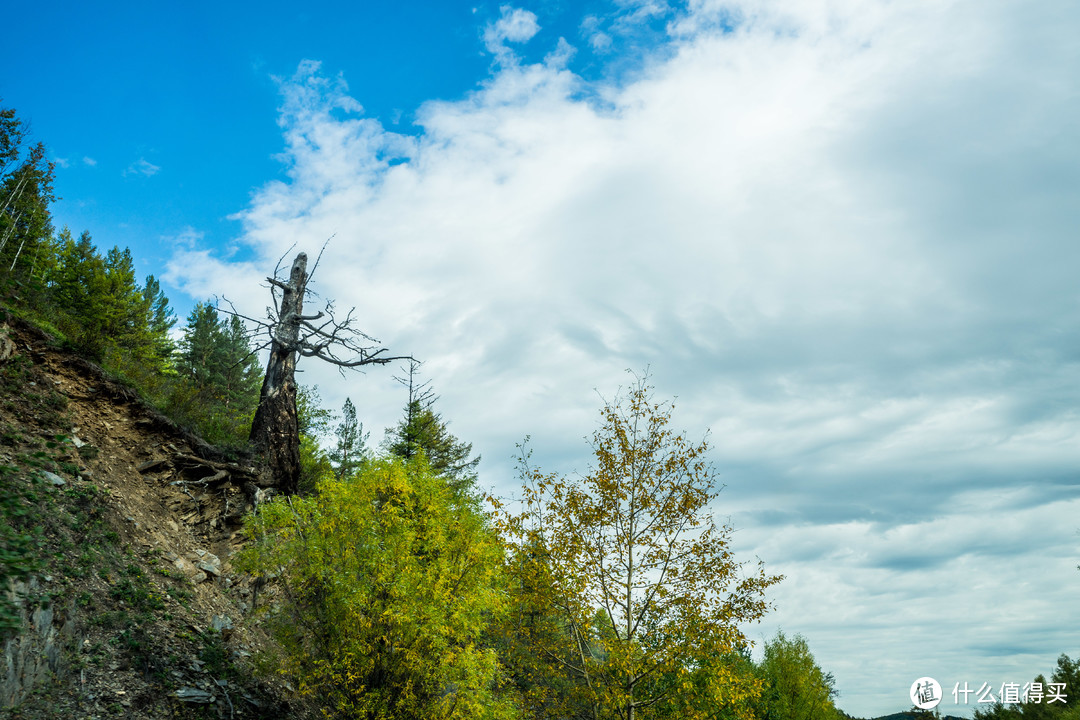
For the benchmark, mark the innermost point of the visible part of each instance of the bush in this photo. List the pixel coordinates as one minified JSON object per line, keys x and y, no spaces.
{"x":388,"y":583}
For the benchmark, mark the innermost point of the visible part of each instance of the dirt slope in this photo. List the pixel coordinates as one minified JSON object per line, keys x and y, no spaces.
{"x":135,"y":612}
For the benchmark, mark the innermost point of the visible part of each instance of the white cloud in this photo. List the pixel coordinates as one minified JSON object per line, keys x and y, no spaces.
{"x":600,"y":41}
{"x":514,"y":25}
{"x":188,"y":239}
{"x":841,"y":232}
{"x":89,"y":161}
{"x":142,"y":167}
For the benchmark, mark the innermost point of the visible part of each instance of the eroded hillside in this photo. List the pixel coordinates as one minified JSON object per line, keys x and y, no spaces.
{"x":131,"y":609}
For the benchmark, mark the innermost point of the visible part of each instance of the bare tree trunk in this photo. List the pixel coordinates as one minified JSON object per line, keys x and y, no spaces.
{"x":275,"y":430}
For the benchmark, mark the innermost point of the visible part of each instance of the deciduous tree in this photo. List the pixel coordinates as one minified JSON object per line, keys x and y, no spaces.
{"x":26,"y":190}
{"x":387,"y":583}
{"x":642,"y":579}
{"x":795,"y":687}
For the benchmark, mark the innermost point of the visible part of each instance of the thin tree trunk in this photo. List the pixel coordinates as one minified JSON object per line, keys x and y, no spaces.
{"x":275,"y":428}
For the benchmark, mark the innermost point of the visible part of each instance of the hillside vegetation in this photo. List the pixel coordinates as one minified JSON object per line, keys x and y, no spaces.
{"x":121,"y":601}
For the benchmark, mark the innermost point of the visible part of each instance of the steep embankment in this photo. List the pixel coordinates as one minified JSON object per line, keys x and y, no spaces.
{"x":130,"y":609}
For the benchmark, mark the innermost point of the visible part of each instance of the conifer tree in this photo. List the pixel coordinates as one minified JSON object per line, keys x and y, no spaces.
{"x":121,"y":321}
{"x":26,"y":190}
{"x":424,"y":430}
{"x":349,"y":451}
{"x":79,"y":274}
{"x":159,"y":319}
{"x":216,"y":356}
{"x":217,"y":360}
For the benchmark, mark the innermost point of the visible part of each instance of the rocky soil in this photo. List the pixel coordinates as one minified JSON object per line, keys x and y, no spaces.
{"x":133,"y":610}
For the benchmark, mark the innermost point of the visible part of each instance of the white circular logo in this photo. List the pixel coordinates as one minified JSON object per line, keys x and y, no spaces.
{"x":925,"y":693}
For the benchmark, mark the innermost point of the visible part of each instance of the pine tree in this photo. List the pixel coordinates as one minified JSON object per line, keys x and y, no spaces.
{"x":241,"y":367}
{"x":159,"y":319}
{"x":26,"y":191}
{"x":217,"y":361}
{"x":215,"y":356}
{"x":424,"y":430}
{"x":79,"y":273}
{"x":201,"y":357}
{"x":122,"y":321}
{"x":349,"y":452}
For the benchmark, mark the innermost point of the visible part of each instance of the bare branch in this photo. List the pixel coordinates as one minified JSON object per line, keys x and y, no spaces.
{"x":315,"y":267}
{"x":277,"y":267}
{"x":291,"y":335}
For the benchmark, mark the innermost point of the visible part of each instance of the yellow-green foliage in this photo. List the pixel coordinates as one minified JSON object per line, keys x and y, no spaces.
{"x":387,"y":584}
{"x":796,"y":688}
{"x":625,"y":585}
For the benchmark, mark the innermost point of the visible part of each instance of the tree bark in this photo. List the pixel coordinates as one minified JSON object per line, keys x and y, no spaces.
{"x":275,"y":430}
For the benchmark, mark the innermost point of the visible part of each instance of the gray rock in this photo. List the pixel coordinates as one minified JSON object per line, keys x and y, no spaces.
{"x":184,"y":566}
{"x":194,"y":695}
{"x":209,"y":564}
{"x":54,"y":478}
{"x":40,"y":651}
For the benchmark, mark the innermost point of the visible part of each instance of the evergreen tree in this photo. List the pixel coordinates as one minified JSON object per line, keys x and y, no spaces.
{"x":159,"y":319}
{"x":200,"y":357}
{"x":242,"y":374}
{"x":217,"y":362}
{"x":26,"y":190}
{"x":216,"y":357}
{"x":78,"y":291}
{"x":79,"y":275}
{"x":424,"y":430}
{"x":349,"y":452}
{"x":122,"y":320}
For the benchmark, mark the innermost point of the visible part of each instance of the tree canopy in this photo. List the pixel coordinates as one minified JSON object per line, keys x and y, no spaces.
{"x":636,"y":571}
{"x":795,"y":687}
{"x":389,"y":582}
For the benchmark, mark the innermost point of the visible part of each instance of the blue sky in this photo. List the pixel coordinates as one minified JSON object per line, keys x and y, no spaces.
{"x":842,"y":233}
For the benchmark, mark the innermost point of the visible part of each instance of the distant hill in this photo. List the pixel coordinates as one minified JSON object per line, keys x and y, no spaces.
{"x":911,"y":715}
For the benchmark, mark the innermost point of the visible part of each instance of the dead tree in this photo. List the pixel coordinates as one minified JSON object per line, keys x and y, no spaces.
{"x":275,"y":429}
